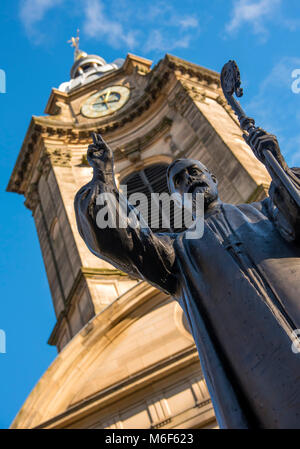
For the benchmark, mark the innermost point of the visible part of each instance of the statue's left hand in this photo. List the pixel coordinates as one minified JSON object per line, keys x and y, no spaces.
{"x":259,"y":141}
{"x":100,"y":155}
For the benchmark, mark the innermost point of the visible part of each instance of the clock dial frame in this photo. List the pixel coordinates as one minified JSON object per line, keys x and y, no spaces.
{"x":105,"y":101}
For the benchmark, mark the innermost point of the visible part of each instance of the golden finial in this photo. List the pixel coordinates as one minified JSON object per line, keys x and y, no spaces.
{"x":74,"y":41}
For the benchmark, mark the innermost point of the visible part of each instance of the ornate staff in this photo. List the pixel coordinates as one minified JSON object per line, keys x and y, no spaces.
{"x":230,"y":82}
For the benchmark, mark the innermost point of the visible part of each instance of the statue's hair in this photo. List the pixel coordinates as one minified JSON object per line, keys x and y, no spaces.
{"x":172,"y":165}
{"x":178,"y":160}
{"x":169,"y":169}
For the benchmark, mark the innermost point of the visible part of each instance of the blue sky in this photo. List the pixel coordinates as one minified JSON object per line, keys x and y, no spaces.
{"x":261,"y":35}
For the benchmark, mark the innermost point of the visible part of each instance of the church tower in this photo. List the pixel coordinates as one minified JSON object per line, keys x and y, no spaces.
{"x":126,"y":358}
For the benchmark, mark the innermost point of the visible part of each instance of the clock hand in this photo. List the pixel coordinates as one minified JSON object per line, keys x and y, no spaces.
{"x":113,"y":101}
{"x":107,"y":95}
{"x":100,"y":104}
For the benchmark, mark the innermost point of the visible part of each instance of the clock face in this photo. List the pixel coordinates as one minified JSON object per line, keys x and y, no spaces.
{"x":105,"y":102}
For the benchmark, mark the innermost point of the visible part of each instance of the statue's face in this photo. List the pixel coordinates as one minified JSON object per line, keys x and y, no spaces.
{"x":190,"y":176}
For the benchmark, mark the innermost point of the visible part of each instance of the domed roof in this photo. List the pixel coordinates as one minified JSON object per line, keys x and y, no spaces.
{"x":84,"y":62}
{"x":86,"y":68}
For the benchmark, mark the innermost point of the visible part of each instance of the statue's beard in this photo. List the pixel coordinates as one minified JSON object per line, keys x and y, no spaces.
{"x":209,"y":196}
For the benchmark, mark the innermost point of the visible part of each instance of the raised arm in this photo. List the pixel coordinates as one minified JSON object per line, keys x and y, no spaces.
{"x":126,"y":242}
{"x":287,"y":213}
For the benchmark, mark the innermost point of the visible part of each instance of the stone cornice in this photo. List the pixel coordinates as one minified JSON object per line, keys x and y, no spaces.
{"x":32,"y":197}
{"x":133,"y":62}
{"x":24,"y":160}
{"x":192,"y":70}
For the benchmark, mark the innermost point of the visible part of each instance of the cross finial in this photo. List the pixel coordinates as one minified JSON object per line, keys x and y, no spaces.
{"x":74,"y":41}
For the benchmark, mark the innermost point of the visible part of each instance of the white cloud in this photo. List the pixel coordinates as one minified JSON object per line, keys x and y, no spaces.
{"x":165,"y":14}
{"x":32,"y":11}
{"x":170,"y":29}
{"x":292,"y":150}
{"x":158,"y":41}
{"x":98,"y":25}
{"x":189,"y":22}
{"x":150,"y":26}
{"x":275,"y":107}
{"x":252,"y":12}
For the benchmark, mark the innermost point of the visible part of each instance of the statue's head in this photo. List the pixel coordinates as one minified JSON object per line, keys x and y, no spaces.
{"x":190,"y":176}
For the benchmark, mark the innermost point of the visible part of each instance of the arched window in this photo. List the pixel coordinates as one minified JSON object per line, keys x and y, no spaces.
{"x":153,"y":179}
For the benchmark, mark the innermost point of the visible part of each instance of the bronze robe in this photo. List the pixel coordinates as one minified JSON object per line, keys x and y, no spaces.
{"x":231,"y":284}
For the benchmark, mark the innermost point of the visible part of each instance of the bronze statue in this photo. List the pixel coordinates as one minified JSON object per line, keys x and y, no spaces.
{"x":238,"y":285}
